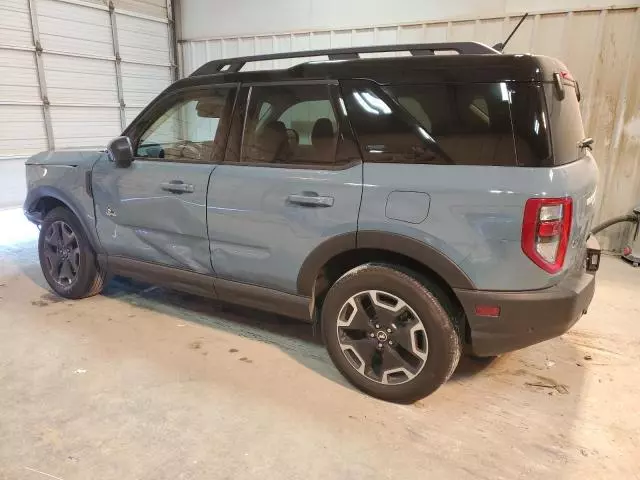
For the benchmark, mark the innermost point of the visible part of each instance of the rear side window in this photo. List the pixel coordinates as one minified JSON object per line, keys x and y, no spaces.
{"x":290,"y":124}
{"x":466,"y":124}
{"x":530,"y":125}
{"x":566,"y":124}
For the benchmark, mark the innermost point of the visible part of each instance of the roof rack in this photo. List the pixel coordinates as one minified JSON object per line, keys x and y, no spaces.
{"x":352,"y":53}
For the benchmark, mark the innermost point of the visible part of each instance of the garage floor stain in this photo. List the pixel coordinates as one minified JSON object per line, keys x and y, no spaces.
{"x":266,"y":402}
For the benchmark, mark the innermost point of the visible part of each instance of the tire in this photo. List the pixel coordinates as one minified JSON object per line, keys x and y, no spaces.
{"x":75,"y":273}
{"x":415,"y":349}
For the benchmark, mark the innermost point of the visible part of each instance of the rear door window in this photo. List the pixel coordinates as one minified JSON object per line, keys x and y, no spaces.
{"x":290,"y":125}
{"x":457,"y":124}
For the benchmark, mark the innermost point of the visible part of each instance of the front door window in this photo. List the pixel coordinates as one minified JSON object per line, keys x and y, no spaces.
{"x":190,"y":130}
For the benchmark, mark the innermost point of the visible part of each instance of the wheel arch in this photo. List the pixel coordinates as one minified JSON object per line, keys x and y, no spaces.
{"x":353,"y":247}
{"x":41,"y":200}
{"x":337,"y":255}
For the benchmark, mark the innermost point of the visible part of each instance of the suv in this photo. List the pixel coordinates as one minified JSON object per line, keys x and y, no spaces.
{"x":414,"y":206}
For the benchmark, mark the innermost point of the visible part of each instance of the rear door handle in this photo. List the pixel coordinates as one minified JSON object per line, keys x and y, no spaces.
{"x":177,"y":186}
{"x":310,"y":199}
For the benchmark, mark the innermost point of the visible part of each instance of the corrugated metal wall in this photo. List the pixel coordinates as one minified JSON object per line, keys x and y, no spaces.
{"x":601,"y":48}
{"x":73,"y":73}
{"x":21,"y":117}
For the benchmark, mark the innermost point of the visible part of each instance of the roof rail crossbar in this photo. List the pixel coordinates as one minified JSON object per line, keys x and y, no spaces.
{"x":352,"y":53}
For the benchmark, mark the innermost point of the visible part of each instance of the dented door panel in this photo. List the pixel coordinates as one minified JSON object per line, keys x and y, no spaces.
{"x":139,"y":215}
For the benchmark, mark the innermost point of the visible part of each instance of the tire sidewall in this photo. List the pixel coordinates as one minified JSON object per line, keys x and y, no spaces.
{"x":87,"y":268}
{"x":442,"y":339}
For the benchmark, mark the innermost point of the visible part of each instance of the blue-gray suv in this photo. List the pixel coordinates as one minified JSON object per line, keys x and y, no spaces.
{"x":414,"y":206}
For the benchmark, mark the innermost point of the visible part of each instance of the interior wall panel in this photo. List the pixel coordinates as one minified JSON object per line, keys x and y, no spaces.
{"x":15,"y":26}
{"x":92,"y":70}
{"x":142,"y":83}
{"x":21,"y":130}
{"x":79,"y":127}
{"x":153,"y":8}
{"x":18,"y":77}
{"x":76,"y":29}
{"x":80,"y":80}
{"x":21,"y":116}
{"x":142,"y":40}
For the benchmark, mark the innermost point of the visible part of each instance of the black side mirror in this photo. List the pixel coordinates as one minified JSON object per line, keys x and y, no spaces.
{"x":120,"y":151}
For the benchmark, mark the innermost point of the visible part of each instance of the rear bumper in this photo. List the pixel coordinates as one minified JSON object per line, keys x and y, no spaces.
{"x":526,"y":317}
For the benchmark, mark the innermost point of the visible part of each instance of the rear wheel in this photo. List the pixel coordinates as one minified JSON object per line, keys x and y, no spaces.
{"x":389,"y":333}
{"x":67,"y":260}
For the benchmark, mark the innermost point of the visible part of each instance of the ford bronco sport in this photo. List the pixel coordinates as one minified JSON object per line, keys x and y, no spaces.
{"x":414,"y":206}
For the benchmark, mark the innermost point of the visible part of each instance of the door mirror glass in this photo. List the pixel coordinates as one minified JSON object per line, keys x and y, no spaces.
{"x":120,"y":152}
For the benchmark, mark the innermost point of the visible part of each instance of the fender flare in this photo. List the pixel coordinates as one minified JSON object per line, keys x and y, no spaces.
{"x":386,"y":241}
{"x":38,"y":193}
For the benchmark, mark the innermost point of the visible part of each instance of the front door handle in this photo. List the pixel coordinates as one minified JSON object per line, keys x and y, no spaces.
{"x":310,"y":199}
{"x":177,"y":186}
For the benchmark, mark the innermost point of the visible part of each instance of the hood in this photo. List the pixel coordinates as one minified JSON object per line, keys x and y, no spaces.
{"x":66,"y":157}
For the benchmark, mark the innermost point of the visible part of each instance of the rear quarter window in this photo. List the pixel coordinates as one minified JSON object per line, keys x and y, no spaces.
{"x":460,"y":124}
{"x":530,"y":125}
{"x":566,"y":125}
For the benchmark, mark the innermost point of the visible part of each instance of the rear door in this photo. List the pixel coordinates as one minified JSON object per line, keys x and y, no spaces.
{"x":292,"y":178}
{"x":155,"y":210}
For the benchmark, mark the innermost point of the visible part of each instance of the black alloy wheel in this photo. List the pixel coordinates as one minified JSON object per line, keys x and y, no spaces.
{"x":62,"y":253}
{"x":67,"y":258}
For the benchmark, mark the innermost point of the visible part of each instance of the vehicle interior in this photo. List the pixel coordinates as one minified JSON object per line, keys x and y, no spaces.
{"x":290,"y":125}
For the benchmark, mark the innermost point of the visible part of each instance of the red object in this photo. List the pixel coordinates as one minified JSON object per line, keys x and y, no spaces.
{"x":487,"y":310}
{"x":550,"y":229}
{"x":534,"y":230}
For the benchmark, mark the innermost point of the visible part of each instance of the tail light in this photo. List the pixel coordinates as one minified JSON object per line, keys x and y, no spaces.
{"x":545,"y":231}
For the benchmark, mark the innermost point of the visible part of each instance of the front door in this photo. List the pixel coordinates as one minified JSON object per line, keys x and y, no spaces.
{"x":293,"y":181}
{"x":155,"y":210}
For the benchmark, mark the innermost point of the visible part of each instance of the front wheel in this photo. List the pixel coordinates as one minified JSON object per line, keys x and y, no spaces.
{"x":389,"y":333}
{"x":67,"y":260}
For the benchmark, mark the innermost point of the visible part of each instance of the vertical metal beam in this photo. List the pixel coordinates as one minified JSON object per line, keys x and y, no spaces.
{"x":173,"y":44}
{"x":118,"y":64}
{"x":46,"y":112}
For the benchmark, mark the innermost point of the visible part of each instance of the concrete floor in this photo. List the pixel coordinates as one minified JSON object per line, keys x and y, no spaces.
{"x":142,"y":383}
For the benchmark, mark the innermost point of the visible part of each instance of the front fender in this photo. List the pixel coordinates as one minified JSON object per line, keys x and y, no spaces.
{"x":36,"y":215}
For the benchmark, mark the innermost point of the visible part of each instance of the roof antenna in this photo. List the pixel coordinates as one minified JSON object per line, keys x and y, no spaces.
{"x":500,"y":46}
